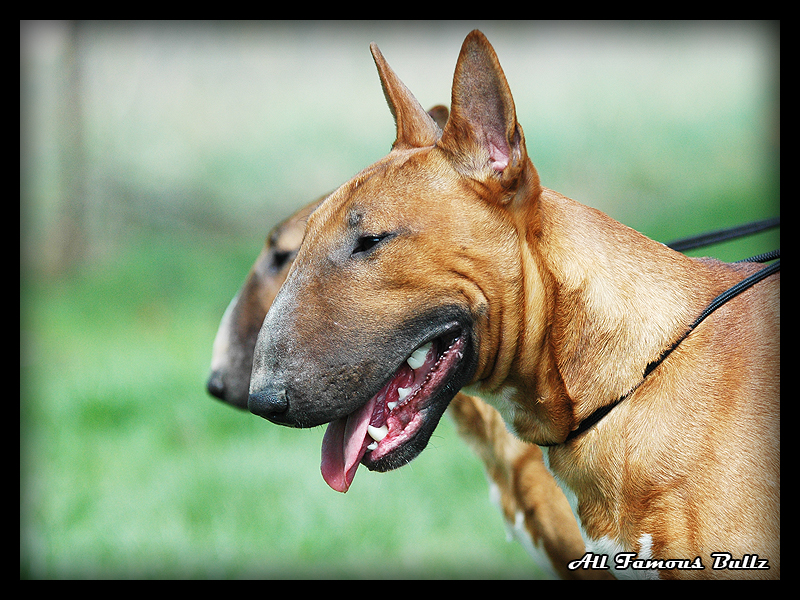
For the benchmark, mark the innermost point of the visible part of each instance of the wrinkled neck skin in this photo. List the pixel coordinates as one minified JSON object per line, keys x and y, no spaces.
{"x":601,"y":301}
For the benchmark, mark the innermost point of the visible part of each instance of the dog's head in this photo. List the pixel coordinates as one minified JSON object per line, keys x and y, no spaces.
{"x":386,"y":312}
{"x":232,"y":355}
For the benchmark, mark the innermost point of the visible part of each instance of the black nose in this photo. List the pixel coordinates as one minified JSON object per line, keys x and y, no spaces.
{"x":216,"y":385}
{"x":268,"y":402}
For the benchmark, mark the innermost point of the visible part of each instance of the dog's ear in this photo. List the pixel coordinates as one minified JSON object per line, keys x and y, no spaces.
{"x":415,"y":127}
{"x":440,"y":114}
{"x":482,"y":136}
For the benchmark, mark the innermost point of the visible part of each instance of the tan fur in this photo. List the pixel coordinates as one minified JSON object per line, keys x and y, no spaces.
{"x":566,"y":309}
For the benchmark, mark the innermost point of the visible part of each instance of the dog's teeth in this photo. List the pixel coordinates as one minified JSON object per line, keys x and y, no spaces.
{"x":391,"y":405}
{"x":377,"y":433}
{"x":417,"y":358}
{"x":372,"y":446}
{"x":402,"y":394}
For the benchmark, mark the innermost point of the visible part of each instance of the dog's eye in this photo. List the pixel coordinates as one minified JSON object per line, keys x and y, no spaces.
{"x":281,"y":258}
{"x":366,"y":242}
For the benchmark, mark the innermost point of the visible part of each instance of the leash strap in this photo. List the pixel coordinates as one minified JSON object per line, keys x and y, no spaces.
{"x":721,"y":235}
{"x":724,"y":297}
{"x":762,"y":258}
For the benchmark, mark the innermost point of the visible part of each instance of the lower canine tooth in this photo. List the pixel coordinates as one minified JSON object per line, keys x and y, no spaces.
{"x":417,"y":358}
{"x":377,"y":433}
{"x":391,"y":405}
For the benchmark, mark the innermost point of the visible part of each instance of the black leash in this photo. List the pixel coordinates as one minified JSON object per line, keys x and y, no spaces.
{"x":762,"y":258}
{"x":722,"y":235}
{"x":724,"y":297}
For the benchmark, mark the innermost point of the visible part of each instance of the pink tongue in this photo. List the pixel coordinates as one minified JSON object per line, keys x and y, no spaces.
{"x":343,"y":446}
{"x":345,"y":441}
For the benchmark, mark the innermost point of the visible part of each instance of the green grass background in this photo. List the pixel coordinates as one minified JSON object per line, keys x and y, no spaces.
{"x":198,"y":140}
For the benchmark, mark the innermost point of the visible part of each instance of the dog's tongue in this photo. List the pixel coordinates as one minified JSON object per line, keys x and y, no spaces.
{"x":346,"y":440}
{"x":343,"y":446}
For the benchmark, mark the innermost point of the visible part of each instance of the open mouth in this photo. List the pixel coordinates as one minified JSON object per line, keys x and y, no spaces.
{"x":396,"y":423}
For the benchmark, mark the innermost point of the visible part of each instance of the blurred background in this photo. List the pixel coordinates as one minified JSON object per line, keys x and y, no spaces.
{"x":154,"y":159}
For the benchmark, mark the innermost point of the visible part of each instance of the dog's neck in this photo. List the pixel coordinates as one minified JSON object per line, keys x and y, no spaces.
{"x":604,"y":312}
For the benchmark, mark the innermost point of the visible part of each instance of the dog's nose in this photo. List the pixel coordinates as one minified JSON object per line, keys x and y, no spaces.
{"x":216,"y":385}
{"x":268,"y":402}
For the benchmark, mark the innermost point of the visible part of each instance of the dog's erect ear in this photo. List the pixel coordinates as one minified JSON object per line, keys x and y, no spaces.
{"x":482,"y":135}
{"x":439,"y":113}
{"x":415,"y":127}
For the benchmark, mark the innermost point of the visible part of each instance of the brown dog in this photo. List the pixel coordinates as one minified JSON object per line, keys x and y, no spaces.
{"x":447,"y":264}
{"x":534,"y":508}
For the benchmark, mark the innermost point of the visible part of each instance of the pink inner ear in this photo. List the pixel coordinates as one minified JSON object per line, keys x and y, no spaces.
{"x":498,"y":158}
